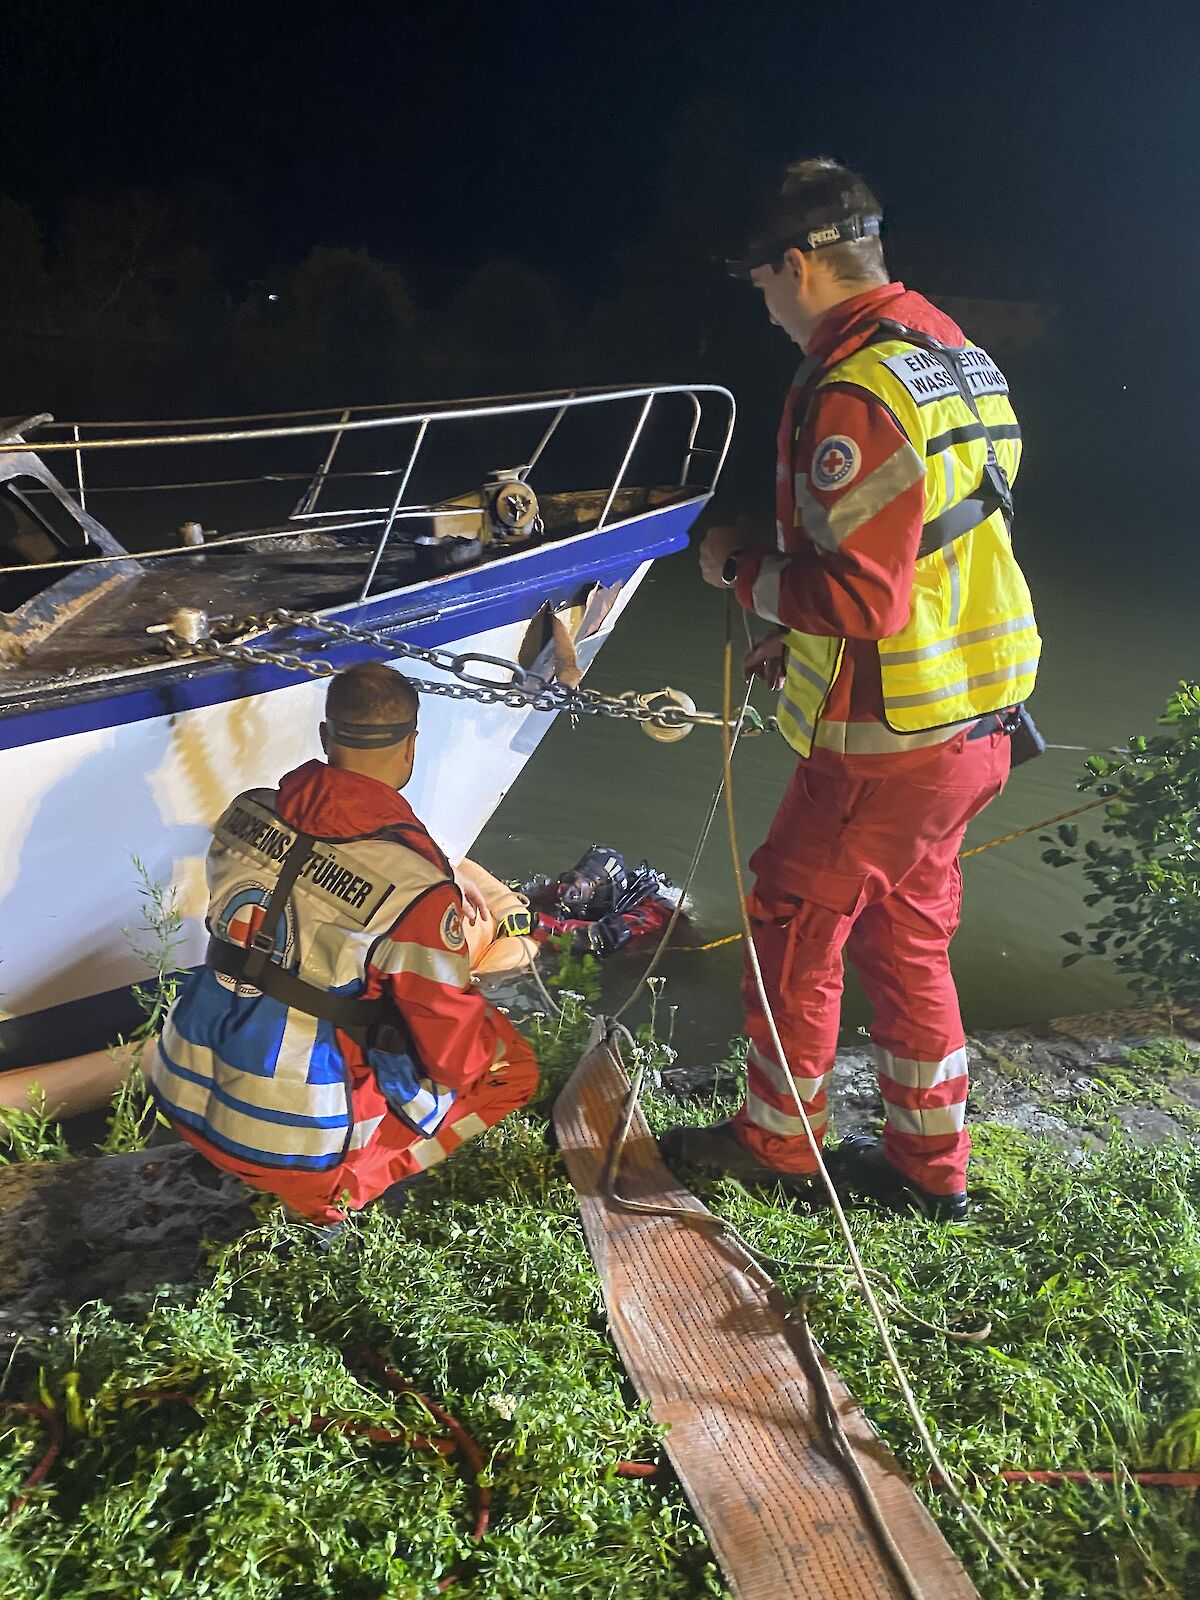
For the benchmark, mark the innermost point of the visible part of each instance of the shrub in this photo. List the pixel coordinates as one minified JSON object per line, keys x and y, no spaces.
{"x":1145,"y":872}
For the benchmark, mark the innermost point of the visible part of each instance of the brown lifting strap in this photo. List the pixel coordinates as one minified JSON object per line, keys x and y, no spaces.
{"x":708,"y":1348}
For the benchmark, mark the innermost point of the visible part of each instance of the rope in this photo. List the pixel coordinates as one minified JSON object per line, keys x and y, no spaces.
{"x":464,"y":1442}
{"x":660,"y":948}
{"x":555,"y":1008}
{"x":839,"y":1444}
{"x":860,"y":1272}
{"x":55,"y":1427}
{"x":612,"y":1165}
{"x":1034,"y":827}
{"x":457,"y":1442}
{"x":794,"y":1314}
{"x":990,"y":844}
{"x":1161,"y":1480}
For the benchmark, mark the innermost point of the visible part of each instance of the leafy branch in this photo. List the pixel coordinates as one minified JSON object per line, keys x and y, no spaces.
{"x":1145,"y":873}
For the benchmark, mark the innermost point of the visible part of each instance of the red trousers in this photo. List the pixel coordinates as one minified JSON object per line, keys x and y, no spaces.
{"x":390,"y":1150}
{"x":867,"y":867}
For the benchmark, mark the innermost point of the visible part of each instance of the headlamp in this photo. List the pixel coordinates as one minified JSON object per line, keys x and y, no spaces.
{"x":819,"y":237}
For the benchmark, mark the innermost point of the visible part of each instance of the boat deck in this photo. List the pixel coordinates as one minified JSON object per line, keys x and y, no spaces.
{"x":100,"y":627}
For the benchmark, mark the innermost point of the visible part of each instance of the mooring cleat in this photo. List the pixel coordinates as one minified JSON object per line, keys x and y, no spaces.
{"x":718,"y":1149}
{"x":859,"y":1163}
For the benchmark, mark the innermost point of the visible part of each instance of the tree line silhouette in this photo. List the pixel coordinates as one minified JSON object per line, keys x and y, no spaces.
{"x":139,"y":302}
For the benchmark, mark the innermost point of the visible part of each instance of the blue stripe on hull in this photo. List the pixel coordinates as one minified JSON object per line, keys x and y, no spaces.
{"x":464,"y":605}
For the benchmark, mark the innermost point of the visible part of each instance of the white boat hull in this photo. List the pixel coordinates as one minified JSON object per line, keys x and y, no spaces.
{"x":81,"y":812}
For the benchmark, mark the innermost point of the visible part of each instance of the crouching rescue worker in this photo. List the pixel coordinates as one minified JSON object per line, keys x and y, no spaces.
{"x":905,"y":643}
{"x":333,"y":1045}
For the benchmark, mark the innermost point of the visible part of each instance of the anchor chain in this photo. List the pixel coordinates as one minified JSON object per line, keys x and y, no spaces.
{"x":220,"y":640}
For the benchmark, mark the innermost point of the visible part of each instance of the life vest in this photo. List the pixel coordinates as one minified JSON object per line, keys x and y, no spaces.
{"x":249,"y":1057}
{"x":970,"y":645}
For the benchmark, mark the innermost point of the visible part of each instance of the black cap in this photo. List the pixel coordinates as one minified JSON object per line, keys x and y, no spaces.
{"x":818,"y":237}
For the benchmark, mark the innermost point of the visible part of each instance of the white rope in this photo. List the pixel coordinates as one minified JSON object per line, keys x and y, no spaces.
{"x":555,"y":1008}
{"x":860,"y":1272}
{"x":660,"y":948}
{"x":677,"y":912}
{"x":729,"y":739}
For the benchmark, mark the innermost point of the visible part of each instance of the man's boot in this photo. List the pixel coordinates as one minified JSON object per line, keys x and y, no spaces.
{"x":718,"y":1149}
{"x":394,"y":1198}
{"x":860,"y":1164}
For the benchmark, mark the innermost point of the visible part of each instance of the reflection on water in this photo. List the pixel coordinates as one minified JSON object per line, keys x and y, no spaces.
{"x":1112,"y":655}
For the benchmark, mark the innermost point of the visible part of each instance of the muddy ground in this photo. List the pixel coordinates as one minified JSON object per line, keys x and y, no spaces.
{"x":118,"y":1228}
{"x":1071,"y":1080}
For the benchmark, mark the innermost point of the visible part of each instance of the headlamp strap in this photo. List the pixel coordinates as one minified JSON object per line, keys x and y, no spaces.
{"x":370,"y":735}
{"x":821,"y":237}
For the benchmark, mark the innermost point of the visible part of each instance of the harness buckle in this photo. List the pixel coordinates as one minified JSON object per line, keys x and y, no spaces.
{"x":263,"y":942}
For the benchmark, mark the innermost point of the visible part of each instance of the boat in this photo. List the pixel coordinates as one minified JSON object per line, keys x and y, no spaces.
{"x":148,"y":676}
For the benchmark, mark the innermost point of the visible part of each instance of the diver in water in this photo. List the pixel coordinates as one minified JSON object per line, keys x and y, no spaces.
{"x":601,"y":903}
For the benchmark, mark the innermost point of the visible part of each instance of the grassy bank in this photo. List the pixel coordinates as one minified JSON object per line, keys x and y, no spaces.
{"x":482,"y":1294}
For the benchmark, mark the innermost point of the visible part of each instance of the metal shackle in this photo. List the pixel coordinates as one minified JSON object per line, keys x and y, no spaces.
{"x":660,"y":732}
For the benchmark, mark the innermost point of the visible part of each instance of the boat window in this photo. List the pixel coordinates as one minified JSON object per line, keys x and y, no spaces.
{"x":34,"y":527}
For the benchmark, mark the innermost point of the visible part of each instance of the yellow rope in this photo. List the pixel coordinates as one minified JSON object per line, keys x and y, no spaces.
{"x":1034,"y":826}
{"x":990,"y":844}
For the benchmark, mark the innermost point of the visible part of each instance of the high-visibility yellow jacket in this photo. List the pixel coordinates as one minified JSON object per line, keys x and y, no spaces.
{"x":970,"y":643}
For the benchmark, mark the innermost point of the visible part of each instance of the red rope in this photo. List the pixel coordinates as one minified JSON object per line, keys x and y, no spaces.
{"x":460,"y":1442}
{"x":1167,"y":1480}
{"x":367,"y":1430}
{"x":465,"y":1442}
{"x":53,"y":1423}
{"x":161,"y":1397}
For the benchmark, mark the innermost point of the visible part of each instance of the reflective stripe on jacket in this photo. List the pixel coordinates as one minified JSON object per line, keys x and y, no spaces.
{"x":969,"y":645}
{"x":267,"y":1083}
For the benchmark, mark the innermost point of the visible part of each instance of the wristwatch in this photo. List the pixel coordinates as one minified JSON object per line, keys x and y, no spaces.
{"x":729,"y":570}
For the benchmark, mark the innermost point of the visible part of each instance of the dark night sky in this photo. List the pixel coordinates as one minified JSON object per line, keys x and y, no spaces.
{"x":440,"y":135}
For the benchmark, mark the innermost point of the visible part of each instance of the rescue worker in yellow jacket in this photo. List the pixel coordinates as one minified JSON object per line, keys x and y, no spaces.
{"x":904,"y":646}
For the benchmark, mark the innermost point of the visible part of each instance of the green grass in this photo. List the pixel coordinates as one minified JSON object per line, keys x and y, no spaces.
{"x":33,"y":1134}
{"x":1090,"y":1272}
{"x":482,"y":1294}
{"x":1144,"y":1077}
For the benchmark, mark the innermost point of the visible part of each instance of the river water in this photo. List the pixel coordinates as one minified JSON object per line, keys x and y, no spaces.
{"x":1113,"y":565}
{"x":1118,"y":635}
